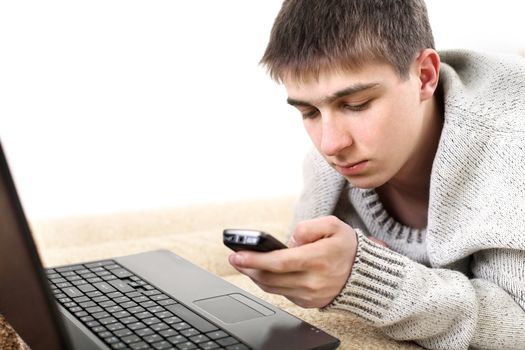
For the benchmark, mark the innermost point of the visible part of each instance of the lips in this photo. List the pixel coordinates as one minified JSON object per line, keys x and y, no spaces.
{"x":351,"y":169}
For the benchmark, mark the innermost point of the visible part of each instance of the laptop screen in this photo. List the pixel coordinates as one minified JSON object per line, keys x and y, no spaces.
{"x":25,"y":300}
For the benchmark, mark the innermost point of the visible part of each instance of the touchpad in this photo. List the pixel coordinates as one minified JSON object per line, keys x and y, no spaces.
{"x":233,"y":308}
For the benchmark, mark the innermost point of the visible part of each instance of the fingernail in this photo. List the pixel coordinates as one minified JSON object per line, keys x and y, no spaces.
{"x":237,"y":259}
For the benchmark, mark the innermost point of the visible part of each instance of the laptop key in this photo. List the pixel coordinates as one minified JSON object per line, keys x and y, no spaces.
{"x":112,"y":267}
{"x":79,"y":282}
{"x":191,"y":317}
{"x":147,"y":304}
{"x":86,"y":288}
{"x":161,"y":345}
{"x":209,"y":345}
{"x":99,"y":315}
{"x":99,"y":263}
{"x":94,"y":294}
{"x":87,"y":304}
{"x":121,"y":314}
{"x":93,"y":324}
{"x":105,"y":334}
{"x":144,"y":332}
{"x":168,"y":333}
{"x":82,"y":299}
{"x":217,"y":334}
{"x":115,"y":326}
{"x":121,"y":286}
{"x":237,"y":347}
{"x":159,"y":326}
{"x":199,"y":339}
{"x":130,"y":339}
{"x":186,"y":346}
{"x":98,"y":329}
{"x":123,"y":332}
{"x":86,"y":318}
{"x":152,"y":338}
{"x":122,"y":300}
{"x":107,"y":320}
{"x":157,"y":309}
{"x":144,"y":314}
{"x":159,"y":297}
{"x":106,"y":303}
{"x":172,"y":320}
{"x":129,"y":319}
{"x":94,"y":280}
{"x":177,"y":339}
{"x":104,"y":287}
{"x":134,"y":309}
{"x":139,"y":346}
{"x":115,"y":308}
{"x":72,"y":292}
{"x":69,"y":268}
{"x":167,"y":302}
{"x":133,"y":294}
{"x":121,"y":273}
{"x":108,"y":277}
{"x":151,"y":320}
{"x":95,"y":309}
{"x":150,"y":292}
{"x":190,"y":332}
{"x":129,"y":304}
{"x":136,"y":325}
{"x":181,"y":326}
{"x":227,"y":341}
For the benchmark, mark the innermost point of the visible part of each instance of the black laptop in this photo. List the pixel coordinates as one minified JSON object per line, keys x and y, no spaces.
{"x":152,"y":300}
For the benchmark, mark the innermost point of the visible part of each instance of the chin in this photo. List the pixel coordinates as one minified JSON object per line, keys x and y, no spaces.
{"x":365,"y":182}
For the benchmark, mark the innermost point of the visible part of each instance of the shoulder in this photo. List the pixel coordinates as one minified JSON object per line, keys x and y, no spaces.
{"x":472,"y":67}
{"x":484,"y":90}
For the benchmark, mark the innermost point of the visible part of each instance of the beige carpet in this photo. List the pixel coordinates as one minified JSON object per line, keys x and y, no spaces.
{"x":195,"y":233}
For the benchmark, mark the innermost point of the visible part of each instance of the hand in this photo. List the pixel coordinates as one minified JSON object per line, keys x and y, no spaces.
{"x":315,"y":268}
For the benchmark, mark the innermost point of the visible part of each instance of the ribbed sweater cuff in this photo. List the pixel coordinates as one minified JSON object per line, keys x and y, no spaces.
{"x":374,"y":281}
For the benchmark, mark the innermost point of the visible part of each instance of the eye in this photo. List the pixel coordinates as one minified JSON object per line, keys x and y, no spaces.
{"x":310,"y":114}
{"x":356,"y":107}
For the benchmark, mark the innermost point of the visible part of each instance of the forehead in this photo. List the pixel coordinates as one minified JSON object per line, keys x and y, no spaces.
{"x":331,"y":81}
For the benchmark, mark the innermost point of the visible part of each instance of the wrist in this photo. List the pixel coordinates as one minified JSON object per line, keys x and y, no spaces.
{"x":374,"y":280}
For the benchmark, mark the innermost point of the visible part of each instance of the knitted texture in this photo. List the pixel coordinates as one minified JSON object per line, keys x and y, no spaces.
{"x":460,"y":282}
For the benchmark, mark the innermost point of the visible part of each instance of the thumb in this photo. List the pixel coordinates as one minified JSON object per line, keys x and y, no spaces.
{"x":310,"y":231}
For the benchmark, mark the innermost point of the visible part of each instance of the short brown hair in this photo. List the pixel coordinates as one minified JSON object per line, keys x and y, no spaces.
{"x":312,"y":35}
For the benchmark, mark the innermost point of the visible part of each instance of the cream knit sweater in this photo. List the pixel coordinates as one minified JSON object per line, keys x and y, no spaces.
{"x":460,"y":282}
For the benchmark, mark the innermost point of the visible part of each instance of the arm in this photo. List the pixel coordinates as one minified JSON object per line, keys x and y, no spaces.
{"x":438,"y":308}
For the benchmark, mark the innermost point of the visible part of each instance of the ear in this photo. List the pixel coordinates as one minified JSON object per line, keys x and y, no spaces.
{"x":427,"y":65}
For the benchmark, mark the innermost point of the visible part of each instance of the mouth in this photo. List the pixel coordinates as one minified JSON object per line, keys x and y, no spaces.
{"x":351,"y":169}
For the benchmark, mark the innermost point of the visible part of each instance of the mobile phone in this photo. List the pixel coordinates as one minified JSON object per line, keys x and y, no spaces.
{"x":245,"y":239}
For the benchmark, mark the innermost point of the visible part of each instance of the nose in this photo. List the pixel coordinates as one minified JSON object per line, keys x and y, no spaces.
{"x":335,"y":137}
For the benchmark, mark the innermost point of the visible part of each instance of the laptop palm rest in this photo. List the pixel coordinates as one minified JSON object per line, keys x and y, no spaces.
{"x":233,"y":308}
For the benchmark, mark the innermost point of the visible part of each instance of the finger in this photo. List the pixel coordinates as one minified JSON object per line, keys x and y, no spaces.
{"x":280,"y":284}
{"x":309,"y":231}
{"x":290,"y":280}
{"x":378,"y":241}
{"x":278,"y":261}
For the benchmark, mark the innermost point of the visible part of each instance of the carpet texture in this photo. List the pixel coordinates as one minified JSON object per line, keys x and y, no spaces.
{"x":195,"y":233}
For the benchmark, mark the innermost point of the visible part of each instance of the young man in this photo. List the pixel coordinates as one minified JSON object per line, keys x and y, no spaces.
{"x":413,"y":210}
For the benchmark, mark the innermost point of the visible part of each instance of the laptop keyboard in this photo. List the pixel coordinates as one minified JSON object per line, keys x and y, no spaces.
{"x":126,"y":312}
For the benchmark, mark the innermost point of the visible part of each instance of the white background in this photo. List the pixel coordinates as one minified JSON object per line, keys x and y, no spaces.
{"x":110,"y":106}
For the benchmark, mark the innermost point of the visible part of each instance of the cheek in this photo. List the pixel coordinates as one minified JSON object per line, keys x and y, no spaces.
{"x":400,"y":130}
{"x":314,"y":131}
{"x":385,"y":131}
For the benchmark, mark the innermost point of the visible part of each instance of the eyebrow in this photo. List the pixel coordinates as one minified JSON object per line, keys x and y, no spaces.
{"x":350,"y":90}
